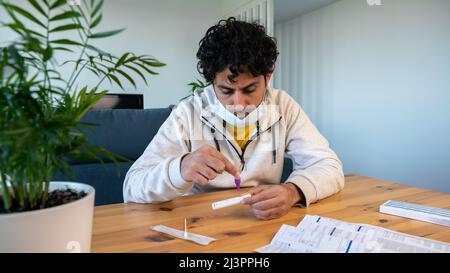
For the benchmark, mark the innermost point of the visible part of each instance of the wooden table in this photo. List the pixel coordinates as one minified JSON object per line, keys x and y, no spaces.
{"x":125,"y":227}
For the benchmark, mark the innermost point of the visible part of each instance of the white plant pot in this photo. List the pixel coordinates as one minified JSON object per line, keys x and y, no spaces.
{"x":64,"y":228}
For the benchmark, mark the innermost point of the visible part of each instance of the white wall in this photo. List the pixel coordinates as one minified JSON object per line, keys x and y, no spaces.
{"x":169,"y":30}
{"x":229,"y":6}
{"x":376,"y":82}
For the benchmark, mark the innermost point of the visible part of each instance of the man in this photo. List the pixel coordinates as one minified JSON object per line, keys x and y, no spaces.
{"x":237,"y":127}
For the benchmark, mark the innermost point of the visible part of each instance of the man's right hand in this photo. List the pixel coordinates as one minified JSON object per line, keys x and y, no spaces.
{"x":205,"y":164}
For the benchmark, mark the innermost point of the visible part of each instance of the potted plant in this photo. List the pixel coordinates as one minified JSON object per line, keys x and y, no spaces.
{"x":40,"y":127}
{"x":194,"y":86}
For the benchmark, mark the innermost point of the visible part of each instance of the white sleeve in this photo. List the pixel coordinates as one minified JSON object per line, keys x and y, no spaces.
{"x":317,"y":171}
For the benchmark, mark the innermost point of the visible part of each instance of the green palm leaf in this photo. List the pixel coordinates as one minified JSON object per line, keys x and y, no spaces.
{"x":58,"y":3}
{"x":106,"y":34}
{"x":125,"y":75}
{"x":65,"y":15}
{"x":97,"y":21}
{"x":65,"y":42}
{"x":66,"y":27}
{"x":24,"y":13}
{"x":37,"y":7}
{"x":97,"y":8}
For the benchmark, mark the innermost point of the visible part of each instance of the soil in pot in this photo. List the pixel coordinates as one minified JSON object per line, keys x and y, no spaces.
{"x":55,"y":198}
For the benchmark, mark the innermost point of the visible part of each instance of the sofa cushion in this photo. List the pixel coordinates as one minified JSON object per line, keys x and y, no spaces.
{"x":123,"y":131}
{"x":126,"y":132}
{"x":106,"y":179}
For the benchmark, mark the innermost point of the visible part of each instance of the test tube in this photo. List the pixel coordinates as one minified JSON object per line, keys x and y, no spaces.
{"x":230,"y":202}
{"x":237,"y":181}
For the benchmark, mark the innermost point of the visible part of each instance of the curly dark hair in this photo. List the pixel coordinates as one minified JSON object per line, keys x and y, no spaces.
{"x":238,"y":45}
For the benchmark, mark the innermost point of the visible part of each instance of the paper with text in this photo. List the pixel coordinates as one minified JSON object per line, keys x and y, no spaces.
{"x":321,"y":234}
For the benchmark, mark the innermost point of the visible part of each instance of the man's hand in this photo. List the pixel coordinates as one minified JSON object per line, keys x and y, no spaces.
{"x":205,"y":164}
{"x":272,"y":201}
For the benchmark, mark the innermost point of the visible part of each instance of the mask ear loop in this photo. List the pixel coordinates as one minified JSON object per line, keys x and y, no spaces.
{"x":263,"y":102}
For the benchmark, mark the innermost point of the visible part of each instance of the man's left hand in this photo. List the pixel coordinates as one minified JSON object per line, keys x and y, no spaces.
{"x":272,"y":201}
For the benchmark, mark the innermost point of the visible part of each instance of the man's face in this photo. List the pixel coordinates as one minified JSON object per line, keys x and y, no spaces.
{"x":243,"y":94}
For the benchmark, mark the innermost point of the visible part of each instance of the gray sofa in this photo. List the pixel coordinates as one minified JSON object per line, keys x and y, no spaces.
{"x":127,"y":133}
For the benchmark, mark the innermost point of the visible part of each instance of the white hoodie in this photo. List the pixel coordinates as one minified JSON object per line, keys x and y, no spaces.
{"x":285,"y":130}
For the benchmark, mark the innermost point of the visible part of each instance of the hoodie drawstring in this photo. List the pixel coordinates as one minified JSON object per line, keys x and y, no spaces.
{"x":213,"y":132}
{"x":274,"y":151}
